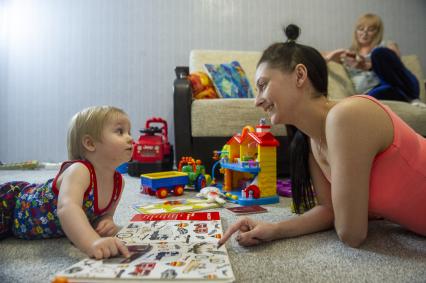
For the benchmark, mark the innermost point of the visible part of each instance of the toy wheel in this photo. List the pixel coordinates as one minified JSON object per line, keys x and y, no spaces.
{"x":178,"y":190}
{"x":200,"y":182}
{"x":255,"y":191}
{"x":162,"y":193}
{"x":150,"y":192}
{"x":144,"y":190}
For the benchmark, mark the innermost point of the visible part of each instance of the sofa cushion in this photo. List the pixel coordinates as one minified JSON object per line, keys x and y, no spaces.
{"x":226,"y":117}
{"x":230,"y":80}
{"x":412,"y":63}
{"x":202,"y":86}
{"x":339,"y":83}
{"x":231,"y":115}
{"x":414,"y":116}
{"x":247,"y":59}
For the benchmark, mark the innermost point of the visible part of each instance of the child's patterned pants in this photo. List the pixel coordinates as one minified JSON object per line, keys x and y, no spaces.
{"x":8,"y":193}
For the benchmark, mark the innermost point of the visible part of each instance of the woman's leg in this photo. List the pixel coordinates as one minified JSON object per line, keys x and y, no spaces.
{"x":8,"y":193}
{"x":385,"y":92}
{"x":397,"y":82}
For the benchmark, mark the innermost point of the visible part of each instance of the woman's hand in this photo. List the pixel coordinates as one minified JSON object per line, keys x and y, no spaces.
{"x":337,"y":55}
{"x":349,"y":58}
{"x":106,"y":227}
{"x":250,"y":232}
{"x":107,"y":247}
{"x":364,"y":64}
{"x":359,"y":62}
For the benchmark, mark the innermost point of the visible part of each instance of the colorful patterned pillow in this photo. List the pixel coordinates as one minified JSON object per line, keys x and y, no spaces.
{"x":202,"y":86}
{"x":230,"y":80}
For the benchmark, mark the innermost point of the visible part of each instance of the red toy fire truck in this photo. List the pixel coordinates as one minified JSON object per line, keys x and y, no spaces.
{"x":152,"y":152}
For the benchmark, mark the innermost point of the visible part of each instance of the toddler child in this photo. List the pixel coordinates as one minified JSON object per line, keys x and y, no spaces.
{"x":81,"y":200}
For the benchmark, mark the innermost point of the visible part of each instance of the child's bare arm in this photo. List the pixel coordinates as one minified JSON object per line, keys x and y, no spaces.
{"x":74,"y":221}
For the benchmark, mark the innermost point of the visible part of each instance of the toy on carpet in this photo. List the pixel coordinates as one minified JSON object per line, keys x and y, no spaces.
{"x":152,"y":152}
{"x":26,"y":165}
{"x":161,"y":184}
{"x":248,"y":162}
{"x":212,"y":194}
{"x":196,"y":171}
{"x":284,"y":188}
{"x":123,"y":168}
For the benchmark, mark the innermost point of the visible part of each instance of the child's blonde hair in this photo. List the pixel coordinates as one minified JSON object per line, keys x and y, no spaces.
{"x":89,"y":121}
{"x":371,"y":20}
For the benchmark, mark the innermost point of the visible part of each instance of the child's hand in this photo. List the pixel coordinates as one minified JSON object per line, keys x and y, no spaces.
{"x":106,"y":227}
{"x":107,"y":247}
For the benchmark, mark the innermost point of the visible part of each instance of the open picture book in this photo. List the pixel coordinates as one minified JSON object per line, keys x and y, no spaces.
{"x":163,"y":247}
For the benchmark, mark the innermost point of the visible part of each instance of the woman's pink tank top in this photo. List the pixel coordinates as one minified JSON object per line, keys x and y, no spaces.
{"x":398,"y":177}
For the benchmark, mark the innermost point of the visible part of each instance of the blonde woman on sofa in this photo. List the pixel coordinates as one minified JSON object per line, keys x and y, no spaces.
{"x":374,"y":65}
{"x":350,"y":160}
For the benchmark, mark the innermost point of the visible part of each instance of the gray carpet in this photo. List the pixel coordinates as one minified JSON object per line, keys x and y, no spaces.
{"x":390,"y":253}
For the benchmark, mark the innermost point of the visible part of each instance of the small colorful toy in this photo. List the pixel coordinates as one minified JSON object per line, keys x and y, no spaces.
{"x":123,"y":168}
{"x":59,"y":279}
{"x":161,"y":184}
{"x":248,"y":162}
{"x":284,"y":188}
{"x":26,"y":165}
{"x":198,"y":178}
{"x":212,"y":194}
{"x":152,"y":152}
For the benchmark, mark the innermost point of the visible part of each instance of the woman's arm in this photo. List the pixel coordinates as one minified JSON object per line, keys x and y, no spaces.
{"x":357,"y":130}
{"x":253,"y":232}
{"x":318,"y":218}
{"x":337,"y":55}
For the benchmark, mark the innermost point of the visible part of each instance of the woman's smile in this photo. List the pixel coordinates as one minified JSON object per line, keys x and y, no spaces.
{"x":268,"y":108}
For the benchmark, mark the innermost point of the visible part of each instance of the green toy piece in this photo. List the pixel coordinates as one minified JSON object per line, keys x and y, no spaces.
{"x":198,"y":178}
{"x":28,"y":165}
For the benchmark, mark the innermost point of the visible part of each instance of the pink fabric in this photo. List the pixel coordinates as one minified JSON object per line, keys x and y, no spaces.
{"x":398,"y":177}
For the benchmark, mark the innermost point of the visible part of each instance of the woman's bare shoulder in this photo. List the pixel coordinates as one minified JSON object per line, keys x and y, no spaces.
{"x":357,"y":106}
{"x":362,"y":117}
